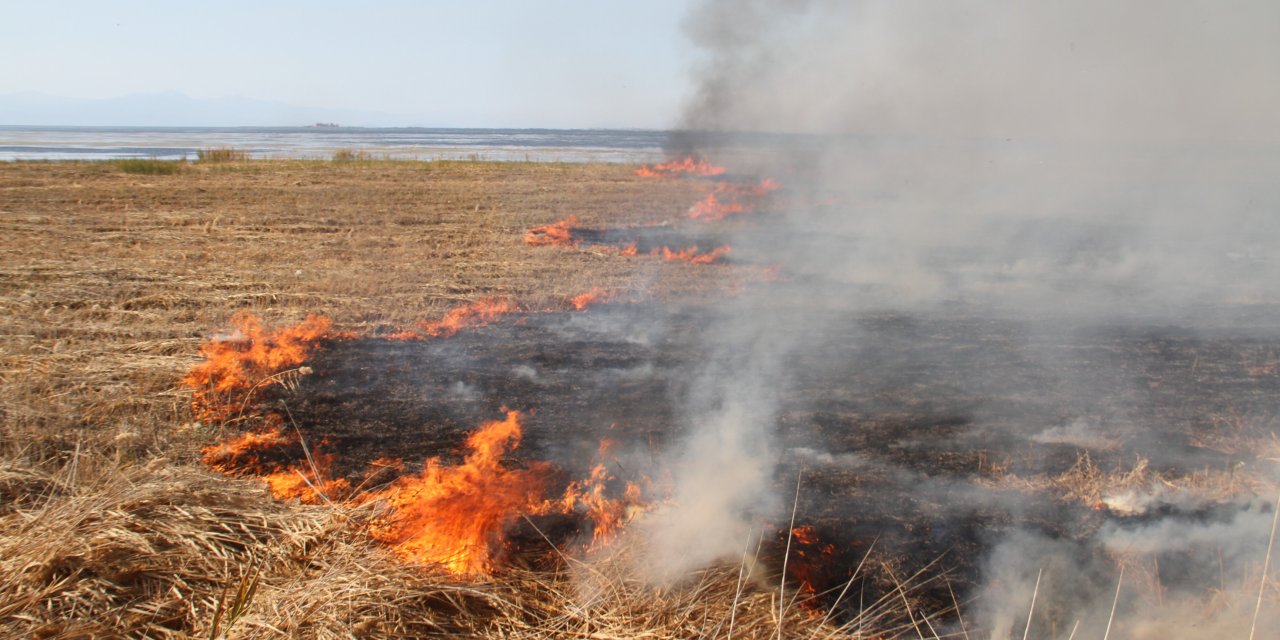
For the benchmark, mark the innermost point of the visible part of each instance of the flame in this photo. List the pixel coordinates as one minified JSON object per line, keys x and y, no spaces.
{"x":234,"y":368}
{"x":245,"y":452}
{"x":687,"y":166}
{"x":811,"y":558}
{"x":556,"y":234}
{"x":452,"y":516}
{"x":711,"y":208}
{"x":468,"y":316}
{"x":805,"y":535}
{"x":455,"y":517}
{"x":311,"y":484}
{"x":251,"y":454}
{"x":607,"y":515}
{"x":691,"y":254}
{"x":596,"y":295}
{"x":729,"y":199}
{"x":765,"y":187}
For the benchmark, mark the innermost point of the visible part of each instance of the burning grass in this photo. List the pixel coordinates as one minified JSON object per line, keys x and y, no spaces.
{"x":688,"y":166}
{"x":111,"y":525}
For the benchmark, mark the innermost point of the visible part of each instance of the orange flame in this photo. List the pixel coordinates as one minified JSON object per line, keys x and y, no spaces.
{"x":556,"y":234}
{"x":691,"y":254}
{"x":596,"y":295}
{"x":452,"y":516}
{"x":764,"y":187}
{"x":468,"y":316}
{"x":607,"y":515}
{"x":811,"y":558}
{"x":234,"y":368}
{"x":729,"y":199}
{"x":711,"y":208}
{"x":310,"y":484}
{"x":251,"y":453}
{"x":456,"y":516}
{"x":687,"y":166}
{"x":245,"y":452}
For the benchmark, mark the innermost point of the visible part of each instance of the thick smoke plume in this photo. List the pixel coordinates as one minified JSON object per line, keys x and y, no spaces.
{"x":1062,"y":164}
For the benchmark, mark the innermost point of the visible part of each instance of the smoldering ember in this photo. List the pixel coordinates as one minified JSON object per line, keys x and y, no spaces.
{"x":900,"y":339}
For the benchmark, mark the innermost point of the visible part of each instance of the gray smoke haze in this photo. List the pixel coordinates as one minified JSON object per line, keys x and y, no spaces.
{"x":1080,"y":155}
{"x":724,"y":468}
{"x":1079,"y":161}
{"x":1086,"y":70}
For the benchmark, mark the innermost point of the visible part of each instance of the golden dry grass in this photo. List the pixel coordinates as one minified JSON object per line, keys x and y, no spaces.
{"x":110,"y":281}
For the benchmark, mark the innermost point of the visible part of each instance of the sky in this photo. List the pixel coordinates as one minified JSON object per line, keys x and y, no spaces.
{"x":496,"y":63}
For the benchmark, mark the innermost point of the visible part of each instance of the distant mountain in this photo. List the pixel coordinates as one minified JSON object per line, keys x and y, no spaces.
{"x":171,"y":109}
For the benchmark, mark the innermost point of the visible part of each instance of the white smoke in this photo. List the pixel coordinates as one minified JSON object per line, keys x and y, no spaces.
{"x":1073,"y":160}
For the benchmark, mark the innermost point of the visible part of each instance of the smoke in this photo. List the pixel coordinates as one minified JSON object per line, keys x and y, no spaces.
{"x":1079,"y":155}
{"x":1152,"y":572}
{"x":723,"y":471}
{"x":1061,"y":164}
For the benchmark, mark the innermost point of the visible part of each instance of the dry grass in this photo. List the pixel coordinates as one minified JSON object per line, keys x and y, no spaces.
{"x":168,"y":550}
{"x":110,"y":281}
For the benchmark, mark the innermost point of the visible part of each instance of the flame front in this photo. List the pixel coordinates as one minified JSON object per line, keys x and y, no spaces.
{"x":556,"y":234}
{"x":687,"y":166}
{"x":233,"y":368}
{"x":596,"y":295}
{"x":455,"y":516}
{"x":811,"y":559}
{"x":469,"y":316}
{"x":691,"y":254}
{"x":590,"y":495}
{"x":729,"y":199}
{"x":451,"y":516}
{"x":260,"y":453}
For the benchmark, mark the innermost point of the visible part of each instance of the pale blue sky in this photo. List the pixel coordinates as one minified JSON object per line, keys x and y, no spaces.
{"x":550,"y":63}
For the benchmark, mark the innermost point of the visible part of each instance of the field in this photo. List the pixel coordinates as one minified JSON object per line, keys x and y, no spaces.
{"x":110,"y":283}
{"x":111,"y":523}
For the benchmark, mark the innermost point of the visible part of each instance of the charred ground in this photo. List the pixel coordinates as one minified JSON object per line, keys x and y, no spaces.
{"x":926,"y":435}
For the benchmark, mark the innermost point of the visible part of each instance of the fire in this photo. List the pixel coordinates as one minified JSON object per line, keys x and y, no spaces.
{"x":765,"y":187}
{"x":310,"y":484}
{"x":711,"y":208}
{"x":804,"y":535}
{"x":455,"y":517}
{"x":691,"y":254}
{"x":468,"y":316}
{"x":687,"y":166}
{"x":258,"y":454}
{"x":811,"y":558}
{"x":234,"y":368}
{"x":556,"y":234}
{"x":729,"y":199}
{"x":596,"y":295}
{"x":245,"y":452}
{"x":607,"y":515}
